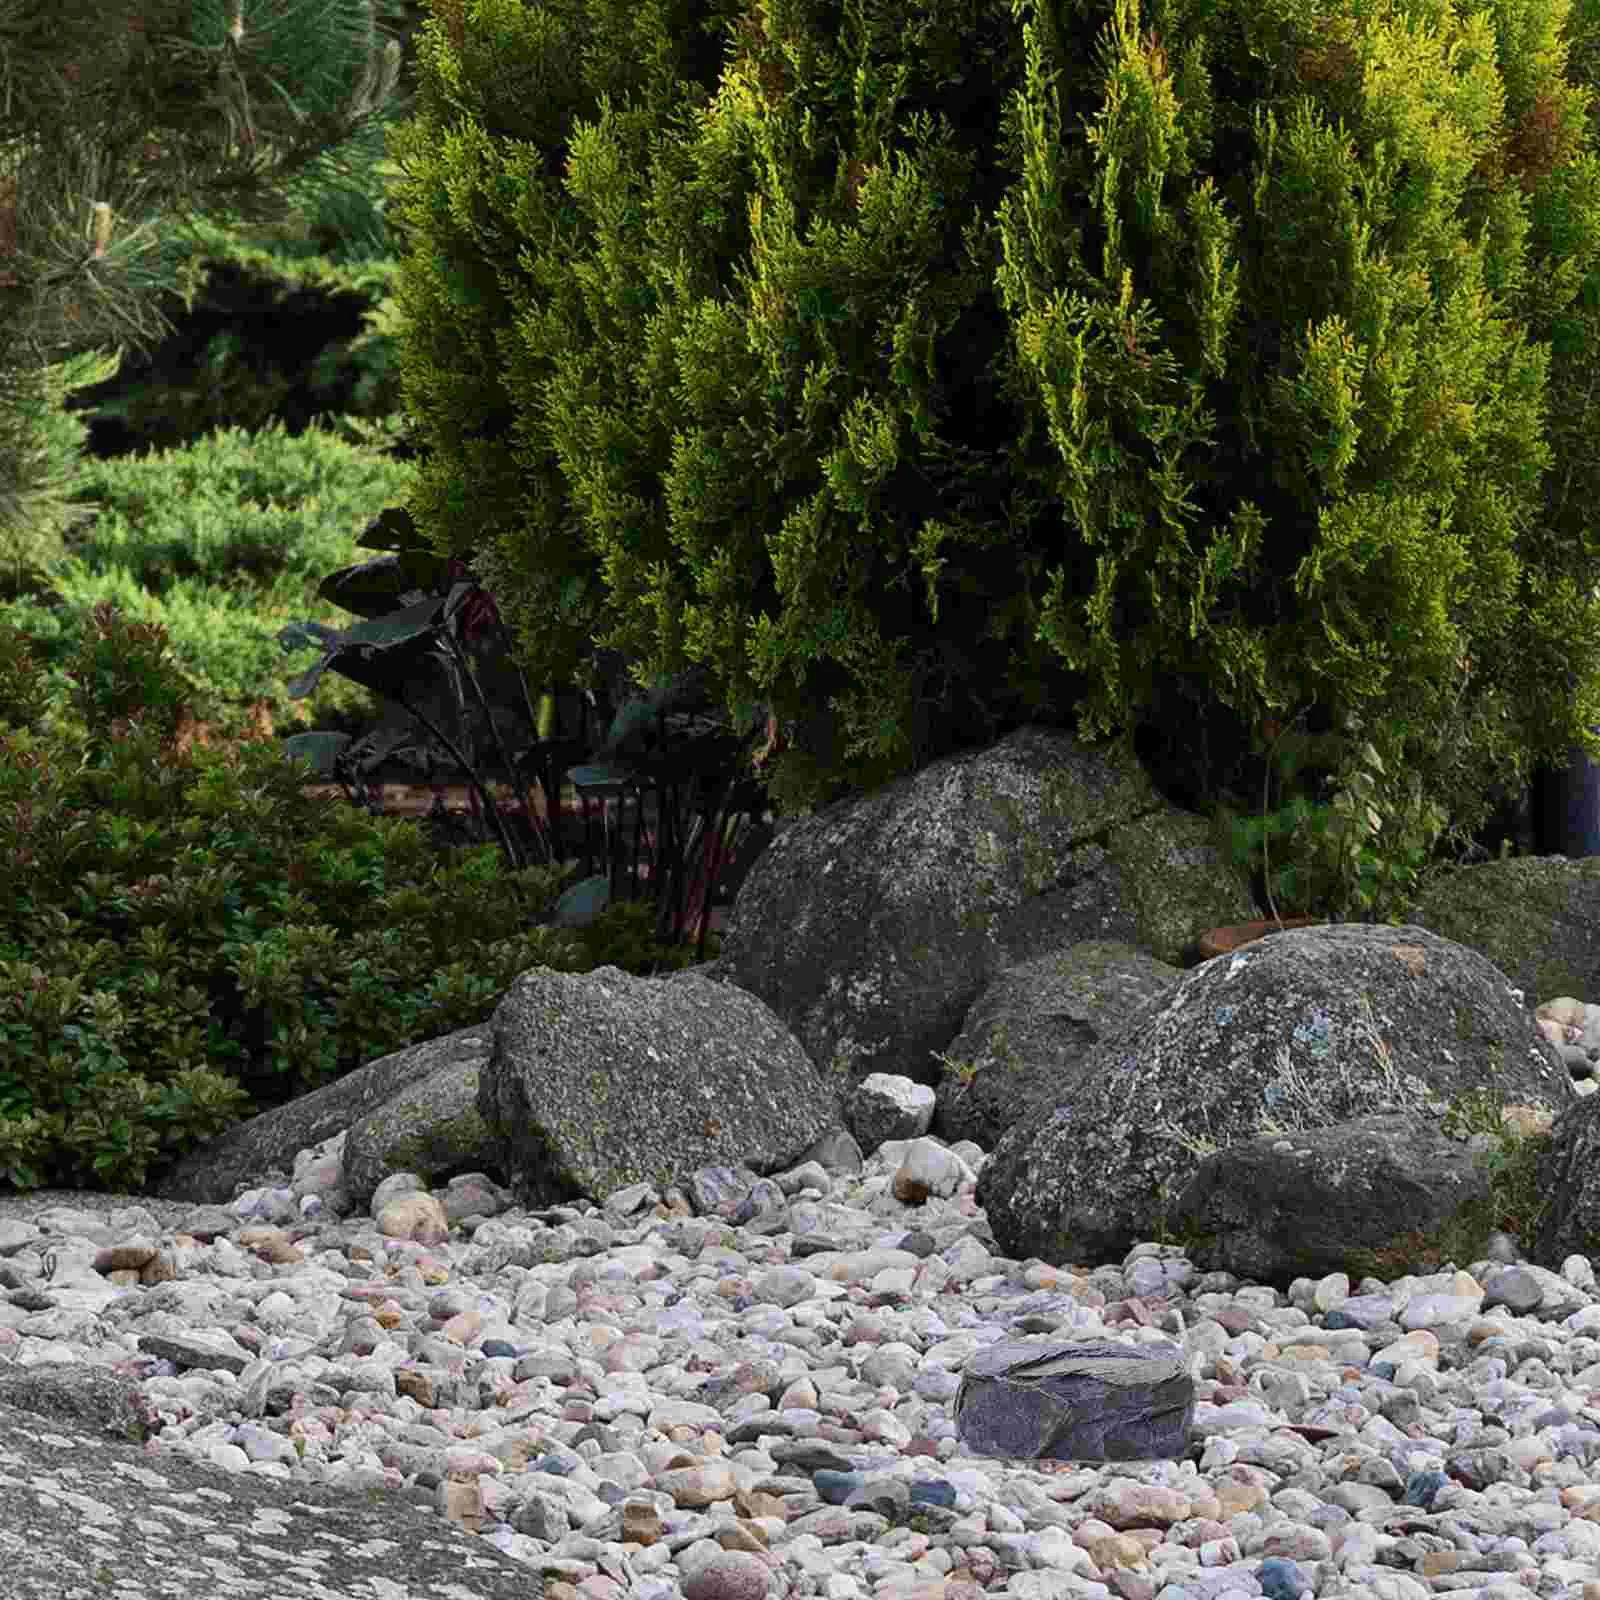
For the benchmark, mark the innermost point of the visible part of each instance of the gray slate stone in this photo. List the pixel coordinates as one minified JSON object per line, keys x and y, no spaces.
{"x":600,"y":1080}
{"x":1089,"y":1400}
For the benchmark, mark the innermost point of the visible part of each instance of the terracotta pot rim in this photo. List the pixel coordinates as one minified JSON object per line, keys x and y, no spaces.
{"x":1230,"y":936}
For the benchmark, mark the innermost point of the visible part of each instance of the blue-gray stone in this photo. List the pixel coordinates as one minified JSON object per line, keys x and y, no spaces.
{"x":1281,"y":1579}
{"x":1421,"y":1487}
{"x":835,"y":1487}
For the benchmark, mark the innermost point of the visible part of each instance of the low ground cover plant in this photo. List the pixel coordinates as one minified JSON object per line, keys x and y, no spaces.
{"x":222,"y":544}
{"x":187,"y":938}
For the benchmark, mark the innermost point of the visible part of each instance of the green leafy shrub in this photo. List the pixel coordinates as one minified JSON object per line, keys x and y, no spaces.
{"x":186,"y":937}
{"x":25,"y":695}
{"x":222,"y":545}
{"x":624,"y":935}
{"x":1361,"y":854}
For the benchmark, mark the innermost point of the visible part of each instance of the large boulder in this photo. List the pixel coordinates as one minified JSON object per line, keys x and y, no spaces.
{"x":1308,"y":1029}
{"x":1029,"y":1033}
{"x":241,"y":1158}
{"x":430,"y":1127}
{"x":580,"y":1085}
{"x":600,"y":1080}
{"x":871,"y":928}
{"x":1536,"y":917}
{"x":1568,"y":1174}
{"x":188,"y":1526}
{"x":1376,"y":1196}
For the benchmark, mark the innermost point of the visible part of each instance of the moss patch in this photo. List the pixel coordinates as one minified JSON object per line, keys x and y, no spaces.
{"x":1509,"y":911}
{"x":441,"y":1148}
{"x":1175,"y":881}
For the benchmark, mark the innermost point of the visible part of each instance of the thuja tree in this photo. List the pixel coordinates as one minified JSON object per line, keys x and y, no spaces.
{"x":943,"y":365}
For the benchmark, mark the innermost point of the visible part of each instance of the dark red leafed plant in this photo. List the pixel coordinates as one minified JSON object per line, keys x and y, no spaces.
{"x":423,"y":615}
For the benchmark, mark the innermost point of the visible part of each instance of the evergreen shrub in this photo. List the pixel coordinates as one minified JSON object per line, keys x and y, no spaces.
{"x":920,"y":369}
{"x":187,"y":938}
{"x":221,"y":544}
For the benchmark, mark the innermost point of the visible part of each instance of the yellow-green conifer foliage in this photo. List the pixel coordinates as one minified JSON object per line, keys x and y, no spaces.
{"x":948,"y":364}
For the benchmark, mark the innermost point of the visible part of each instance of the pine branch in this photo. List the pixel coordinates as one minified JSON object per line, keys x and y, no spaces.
{"x":122,"y":123}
